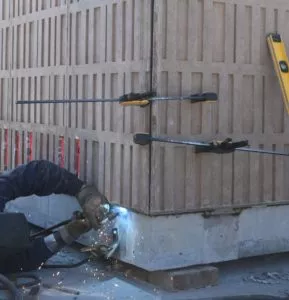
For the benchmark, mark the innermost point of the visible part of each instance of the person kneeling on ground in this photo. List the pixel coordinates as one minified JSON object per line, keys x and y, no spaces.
{"x":43,"y":178}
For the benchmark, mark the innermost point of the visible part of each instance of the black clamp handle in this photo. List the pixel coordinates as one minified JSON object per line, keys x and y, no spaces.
{"x":203,"y":97}
{"x":226,"y":146}
{"x":142,"y":139}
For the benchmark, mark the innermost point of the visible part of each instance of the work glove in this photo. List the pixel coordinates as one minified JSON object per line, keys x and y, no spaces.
{"x":92,"y":204}
{"x":74,"y":229}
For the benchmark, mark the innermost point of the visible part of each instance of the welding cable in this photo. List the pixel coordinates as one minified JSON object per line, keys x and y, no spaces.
{"x":11,"y":287}
{"x":49,"y":230}
{"x":34,"y":285}
{"x":36,"y":281}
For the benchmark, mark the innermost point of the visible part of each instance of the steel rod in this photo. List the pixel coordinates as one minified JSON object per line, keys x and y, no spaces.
{"x":193,"y":143}
{"x":102,"y":100}
{"x":63,"y":101}
{"x":262,"y":151}
{"x":176,"y":141}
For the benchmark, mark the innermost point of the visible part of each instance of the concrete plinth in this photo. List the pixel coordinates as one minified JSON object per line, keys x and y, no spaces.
{"x":168,"y":242}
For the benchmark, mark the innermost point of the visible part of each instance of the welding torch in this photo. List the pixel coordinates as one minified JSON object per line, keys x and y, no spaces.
{"x":106,"y":211}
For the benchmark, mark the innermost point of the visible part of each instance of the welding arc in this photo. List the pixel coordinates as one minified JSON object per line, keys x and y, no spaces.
{"x":193,"y":98}
{"x":144,"y":139}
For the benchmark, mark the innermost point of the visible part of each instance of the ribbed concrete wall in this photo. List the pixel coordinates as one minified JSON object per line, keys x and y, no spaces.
{"x":75,"y":50}
{"x":102,"y":48}
{"x":218,"y":46}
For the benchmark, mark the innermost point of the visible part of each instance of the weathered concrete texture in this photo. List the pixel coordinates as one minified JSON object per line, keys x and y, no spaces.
{"x":198,"y":277}
{"x":169,"y":242}
{"x":172,"y":280}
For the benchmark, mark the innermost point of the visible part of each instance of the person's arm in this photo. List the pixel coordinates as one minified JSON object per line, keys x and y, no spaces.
{"x":43,"y":178}
{"x":39,"y":177}
{"x":42,"y":248}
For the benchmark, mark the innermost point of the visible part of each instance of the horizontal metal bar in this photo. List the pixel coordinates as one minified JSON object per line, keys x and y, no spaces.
{"x":63,"y":101}
{"x":194,"y":143}
{"x":177,"y":141}
{"x":103,"y":100}
{"x":262,"y":151}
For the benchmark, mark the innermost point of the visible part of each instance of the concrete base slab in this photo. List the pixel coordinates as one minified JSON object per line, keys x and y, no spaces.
{"x":170,"y":242}
{"x":173,"y":280}
{"x":238,"y":280}
{"x":192,"y":278}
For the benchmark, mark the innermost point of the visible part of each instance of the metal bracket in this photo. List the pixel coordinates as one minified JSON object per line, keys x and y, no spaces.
{"x":226,"y":146}
{"x":222,"y":212}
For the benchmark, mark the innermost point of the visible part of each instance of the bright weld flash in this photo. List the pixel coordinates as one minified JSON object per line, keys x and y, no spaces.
{"x":106,"y":207}
{"x":123,"y":212}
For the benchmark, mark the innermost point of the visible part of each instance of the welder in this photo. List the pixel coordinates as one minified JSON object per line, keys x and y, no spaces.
{"x":43,"y":178}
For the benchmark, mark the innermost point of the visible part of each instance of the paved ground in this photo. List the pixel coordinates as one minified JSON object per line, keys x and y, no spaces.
{"x":249,"y":279}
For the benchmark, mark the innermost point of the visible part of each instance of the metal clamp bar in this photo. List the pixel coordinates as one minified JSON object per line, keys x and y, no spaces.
{"x":226,"y":146}
{"x":132,"y":99}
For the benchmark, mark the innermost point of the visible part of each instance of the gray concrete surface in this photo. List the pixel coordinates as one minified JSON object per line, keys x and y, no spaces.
{"x":253,"y":278}
{"x":167,"y":242}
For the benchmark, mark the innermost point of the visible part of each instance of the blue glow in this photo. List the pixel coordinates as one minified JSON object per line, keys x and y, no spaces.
{"x":106,"y":207}
{"x":121,"y":210}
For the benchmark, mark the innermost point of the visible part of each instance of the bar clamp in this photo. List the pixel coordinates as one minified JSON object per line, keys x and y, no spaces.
{"x":220,"y":147}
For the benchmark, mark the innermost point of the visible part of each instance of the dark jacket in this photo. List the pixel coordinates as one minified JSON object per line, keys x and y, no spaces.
{"x":41,"y":178}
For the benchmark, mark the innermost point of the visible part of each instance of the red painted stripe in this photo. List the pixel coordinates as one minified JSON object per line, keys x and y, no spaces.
{"x":17,"y":148}
{"x":29,"y":146}
{"x":6,"y":153}
{"x":61,"y":151}
{"x":77,"y":157}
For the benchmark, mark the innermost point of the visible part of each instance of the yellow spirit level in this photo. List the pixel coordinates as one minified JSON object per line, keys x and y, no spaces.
{"x":281,"y":64}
